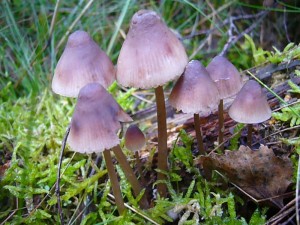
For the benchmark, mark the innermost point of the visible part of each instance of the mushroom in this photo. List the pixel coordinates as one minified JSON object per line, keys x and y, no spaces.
{"x":152,"y":55}
{"x":135,"y":140}
{"x":228,"y":81}
{"x":195,"y":92}
{"x":81,"y":62}
{"x":94,"y":126}
{"x":250,"y":106}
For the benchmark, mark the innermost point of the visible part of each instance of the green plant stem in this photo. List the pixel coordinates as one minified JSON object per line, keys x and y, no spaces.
{"x":57,"y":189}
{"x":221,"y":125}
{"x":199,"y":134}
{"x":162,"y":140}
{"x":114,"y":182}
{"x":249,"y":136}
{"x":135,"y":184}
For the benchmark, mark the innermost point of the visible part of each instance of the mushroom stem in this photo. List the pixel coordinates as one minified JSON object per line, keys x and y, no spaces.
{"x":221,"y":125}
{"x":139,"y":166}
{"x":57,"y":189}
{"x":114,"y":181}
{"x":162,"y":139}
{"x":135,"y":184}
{"x":249,"y":136}
{"x":199,"y":134}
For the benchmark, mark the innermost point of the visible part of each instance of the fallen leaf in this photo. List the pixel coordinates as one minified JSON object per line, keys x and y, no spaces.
{"x":3,"y":169}
{"x":259,"y":173}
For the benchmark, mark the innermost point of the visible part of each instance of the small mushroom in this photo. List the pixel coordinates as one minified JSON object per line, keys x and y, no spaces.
{"x":228,"y":81}
{"x":195,"y":92}
{"x":152,"y":55}
{"x":250,"y":106}
{"x":135,"y":140}
{"x":82,"y":62}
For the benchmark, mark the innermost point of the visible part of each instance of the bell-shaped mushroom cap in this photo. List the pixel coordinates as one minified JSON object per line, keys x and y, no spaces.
{"x":250,"y":105}
{"x":82,"y":62}
{"x":96,"y":120}
{"x":134,"y":138}
{"x":151,"y":54}
{"x":195,"y":91}
{"x":225,"y":75}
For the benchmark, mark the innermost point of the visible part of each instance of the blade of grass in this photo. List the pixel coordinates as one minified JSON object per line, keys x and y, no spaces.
{"x":118,"y":26}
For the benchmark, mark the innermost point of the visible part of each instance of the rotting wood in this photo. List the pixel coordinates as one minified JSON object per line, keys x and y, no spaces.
{"x":180,"y":120}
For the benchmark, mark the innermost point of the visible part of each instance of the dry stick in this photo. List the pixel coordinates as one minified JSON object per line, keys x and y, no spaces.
{"x":199,"y":134}
{"x":53,"y":20}
{"x":57,"y":189}
{"x":297,"y":192}
{"x":249,"y":136}
{"x":232,"y":40}
{"x":86,"y":7}
{"x":221,"y":125}
{"x":283,"y":212}
{"x":137,"y":211}
{"x":135,"y":184}
{"x":114,"y":182}
{"x":162,"y":140}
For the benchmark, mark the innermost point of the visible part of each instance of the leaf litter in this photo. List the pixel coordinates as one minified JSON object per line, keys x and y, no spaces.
{"x":260,"y":173}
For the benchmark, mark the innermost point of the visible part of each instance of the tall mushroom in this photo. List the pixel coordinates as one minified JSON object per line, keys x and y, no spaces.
{"x":250,"y":106}
{"x":195,"y":92}
{"x":94,"y":126}
{"x":228,"y":81}
{"x":81,"y":62}
{"x":151,"y":55}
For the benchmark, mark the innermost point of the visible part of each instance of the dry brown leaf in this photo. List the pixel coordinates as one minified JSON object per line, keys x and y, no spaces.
{"x":259,"y":173}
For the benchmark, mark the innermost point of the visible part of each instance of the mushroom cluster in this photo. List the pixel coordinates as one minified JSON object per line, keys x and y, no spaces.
{"x":151,"y":56}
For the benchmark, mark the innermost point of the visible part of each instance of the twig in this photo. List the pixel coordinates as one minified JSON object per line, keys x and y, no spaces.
{"x":10,"y":215}
{"x":285,"y":25}
{"x":297,"y":193}
{"x":230,"y":37}
{"x":224,"y":23}
{"x":53,"y":22}
{"x":231,"y":41}
{"x":74,"y":23}
{"x":57,"y":189}
{"x":278,"y":132}
{"x":135,"y":210}
{"x":282,"y":213}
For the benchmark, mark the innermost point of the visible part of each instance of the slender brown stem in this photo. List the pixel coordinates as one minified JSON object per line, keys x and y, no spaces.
{"x":114,"y":182}
{"x":221,"y":126}
{"x":135,"y":184}
{"x":57,"y":189}
{"x":199,"y":134}
{"x":162,"y":139}
{"x":139,"y":166}
{"x":249,"y":136}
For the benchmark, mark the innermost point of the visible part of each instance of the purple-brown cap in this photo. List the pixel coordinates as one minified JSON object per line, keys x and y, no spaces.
{"x":134,"y":138}
{"x":96,"y":120}
{"x":250,"y":105}
{"x":225,"y":75}
{"x":151,"y":54}
{"x":82,"y":62}
{"x":195,"y":91}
